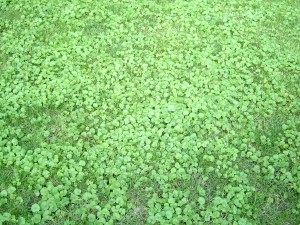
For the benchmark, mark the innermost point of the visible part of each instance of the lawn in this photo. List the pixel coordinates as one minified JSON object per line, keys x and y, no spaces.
{"x":150,"y":112}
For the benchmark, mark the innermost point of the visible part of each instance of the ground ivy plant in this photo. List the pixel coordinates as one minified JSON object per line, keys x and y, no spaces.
{"x":149,"y":112}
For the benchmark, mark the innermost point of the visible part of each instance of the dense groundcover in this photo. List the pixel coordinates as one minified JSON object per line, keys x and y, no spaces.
{"x":149,"y":112}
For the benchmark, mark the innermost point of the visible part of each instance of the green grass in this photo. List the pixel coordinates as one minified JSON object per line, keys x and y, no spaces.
{"x":142,"y":112}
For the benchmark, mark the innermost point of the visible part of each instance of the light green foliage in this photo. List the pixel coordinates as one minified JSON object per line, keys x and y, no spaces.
{"x":149,"y":112}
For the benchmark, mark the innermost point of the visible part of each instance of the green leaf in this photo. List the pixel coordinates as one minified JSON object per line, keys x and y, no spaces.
{"x":35,"y":208}
{"x":169,"y":214}
{"x":201,"y":201}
